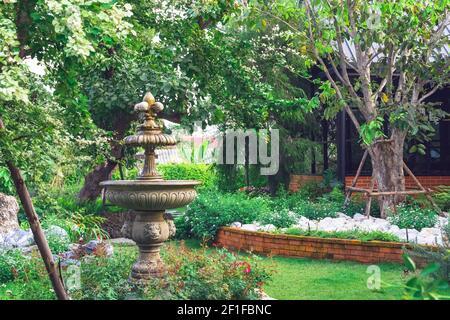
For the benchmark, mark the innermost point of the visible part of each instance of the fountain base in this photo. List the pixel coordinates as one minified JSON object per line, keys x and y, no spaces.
{"x":150,"y":230}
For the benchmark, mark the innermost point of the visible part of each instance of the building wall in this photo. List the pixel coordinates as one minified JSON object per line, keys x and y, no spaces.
{"x":426,"y":181}
{"x":297,"y":181}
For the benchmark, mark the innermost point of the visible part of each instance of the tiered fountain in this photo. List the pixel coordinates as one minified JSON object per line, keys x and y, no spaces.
{"x":149,"y":195}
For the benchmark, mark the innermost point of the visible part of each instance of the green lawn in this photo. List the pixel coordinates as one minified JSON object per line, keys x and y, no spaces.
{"x":328,"y":280}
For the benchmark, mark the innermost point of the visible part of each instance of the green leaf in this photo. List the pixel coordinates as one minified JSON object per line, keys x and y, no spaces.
{"x":430,"y":269}
{"x":409,"y":263}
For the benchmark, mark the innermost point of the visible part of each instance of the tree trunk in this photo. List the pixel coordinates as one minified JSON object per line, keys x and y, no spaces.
{"x":35,"y":226}
{"x":91,"y":189}
{"x":387,"y":166}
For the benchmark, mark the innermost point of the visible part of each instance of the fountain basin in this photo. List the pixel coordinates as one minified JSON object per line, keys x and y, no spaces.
{"x":150,"y":195}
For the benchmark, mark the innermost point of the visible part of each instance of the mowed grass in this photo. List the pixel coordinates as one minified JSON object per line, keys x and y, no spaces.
{"x":307,"y":279}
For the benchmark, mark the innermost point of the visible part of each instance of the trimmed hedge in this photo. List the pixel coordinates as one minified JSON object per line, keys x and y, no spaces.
{"x":190,"y":171}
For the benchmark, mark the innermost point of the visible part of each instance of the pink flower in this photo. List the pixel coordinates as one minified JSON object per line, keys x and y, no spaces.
{"x":247,"y":268}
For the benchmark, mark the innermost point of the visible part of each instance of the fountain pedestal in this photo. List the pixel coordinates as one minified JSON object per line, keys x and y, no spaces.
{"x":150,"y":230}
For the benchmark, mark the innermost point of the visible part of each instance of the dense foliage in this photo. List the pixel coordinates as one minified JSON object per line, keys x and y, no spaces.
{"x":213,"y":209}
{"x":414,"y":217}
{"x":186,"y":171}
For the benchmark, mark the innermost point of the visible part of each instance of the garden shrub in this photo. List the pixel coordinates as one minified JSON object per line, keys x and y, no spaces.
{"x":78,"y":225}
{"x":190,"y":171}
{"x":281,"y":218}
{"x":58,"y":244}
{"x":212,"y":210}
{"x":442,"y":198}
{"x":191,"y":274}
{"x":15,"y":265}
{"x":106,"y":278}
{"x":317,"y":210}
{"x":352,"y":234}
{"x":209,"y":275}
{"x":413,"y":217}
{"x":313,"y":190}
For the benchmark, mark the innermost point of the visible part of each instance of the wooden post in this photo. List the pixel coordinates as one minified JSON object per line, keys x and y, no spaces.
{"x":427,"y":191}
{"x":35,"y":226}
{"x":369,"y":201}
{"x":355,"y":179}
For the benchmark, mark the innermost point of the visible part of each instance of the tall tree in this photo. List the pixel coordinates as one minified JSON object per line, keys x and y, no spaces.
{"x":37,"y":106}
{"x":382,"y":59}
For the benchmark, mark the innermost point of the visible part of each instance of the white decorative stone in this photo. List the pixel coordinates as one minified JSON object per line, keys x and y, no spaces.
{"x":332,"y":224}
{"x":250,"y":227}
{"x":359,"y":217}
{"x":430,"y":236}
{"x":442,"y":221}
{"x":303,"y":223}
{"x":382,"y":224}
{"x":393,"y":229}
{"x":412,"y":234}
{"x":342,"y":215}
{"x":367,"y":225}
{"x":236,"y":224}
{"x":267,"y":228}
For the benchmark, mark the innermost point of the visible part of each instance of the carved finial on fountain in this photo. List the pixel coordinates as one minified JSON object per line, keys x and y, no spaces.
{"x":149,"y":136}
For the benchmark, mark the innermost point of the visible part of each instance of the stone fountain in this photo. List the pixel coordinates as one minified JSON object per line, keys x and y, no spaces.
{"x":149,"y":195}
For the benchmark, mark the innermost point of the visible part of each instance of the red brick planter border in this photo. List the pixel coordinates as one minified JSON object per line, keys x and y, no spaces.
{"x":310,"y":247}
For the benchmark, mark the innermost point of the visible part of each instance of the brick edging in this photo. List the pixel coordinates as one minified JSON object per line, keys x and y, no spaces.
{"x":310,"y":247}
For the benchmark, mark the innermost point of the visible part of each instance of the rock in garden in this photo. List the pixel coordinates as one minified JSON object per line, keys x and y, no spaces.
{"x":121,"y":242}
{"x":236,"y":224}
{"x":303,"y":223}
{"x":92,"y":248}
{"x":18,"y":238}
{"x":381,"y":224}
{"x":98,"y":248}
{"x":368,"y":225}
{"x":332,"y":224}
{"x":56,"y":232}
{"x":267,"y":228}
{"x":393,"y":229}
{"x":442,"y":221}
{"x":342,"y":215}
{"x":409,"y":235}
{"x":30,"y":250}
{"x":250,"y":227}
{"x":8,"y":214}
{"x":430,"y":236}
{"x":359,"y":217}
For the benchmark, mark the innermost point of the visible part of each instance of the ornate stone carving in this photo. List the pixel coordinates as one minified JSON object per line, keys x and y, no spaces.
{"x":152,"y":231}
{"x":151,"y":199}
